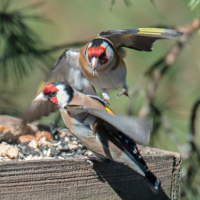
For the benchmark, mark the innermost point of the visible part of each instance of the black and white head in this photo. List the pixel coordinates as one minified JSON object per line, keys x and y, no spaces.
{"x":58,"y":93}
{"x":99,"y":52}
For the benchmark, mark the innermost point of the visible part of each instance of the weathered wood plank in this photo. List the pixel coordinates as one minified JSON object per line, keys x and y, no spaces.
{"x":75,"y":179}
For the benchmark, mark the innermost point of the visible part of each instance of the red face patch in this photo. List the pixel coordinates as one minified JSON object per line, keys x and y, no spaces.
{"x":95,"y":51}
{"x":49,"y":88}
{"x":105,"y":60}
{"x":54,"y":100}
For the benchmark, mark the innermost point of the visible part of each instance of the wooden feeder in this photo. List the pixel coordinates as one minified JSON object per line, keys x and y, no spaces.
{"x":75,"y":179}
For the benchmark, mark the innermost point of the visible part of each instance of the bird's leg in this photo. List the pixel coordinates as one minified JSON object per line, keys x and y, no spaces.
{"x":54,"y":129}
{"x":87,"y":158}
{"x":106,"y":96}
{"x":124,"y":90}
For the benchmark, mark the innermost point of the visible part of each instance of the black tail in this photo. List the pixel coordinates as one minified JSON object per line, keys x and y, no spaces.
{"x":130,"y":145}
{"x":152,"y":179}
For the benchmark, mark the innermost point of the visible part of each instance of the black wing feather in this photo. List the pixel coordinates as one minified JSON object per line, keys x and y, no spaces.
{"x":113,"y":123}
{"x":141,"y":39}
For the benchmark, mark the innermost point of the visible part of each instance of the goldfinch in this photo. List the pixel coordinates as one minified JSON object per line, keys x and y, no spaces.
{"x":99,"y":64}
{"x":106,"y":135}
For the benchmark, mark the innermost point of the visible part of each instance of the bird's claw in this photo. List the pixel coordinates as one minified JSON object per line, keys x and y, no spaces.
{"x":123,"y":92}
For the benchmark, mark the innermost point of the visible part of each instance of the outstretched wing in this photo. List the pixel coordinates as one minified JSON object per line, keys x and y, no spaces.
{"x":66,"y":69}
{"x":132,"y":127}
{"x":37,"y":110}
{"x":141,"y":39}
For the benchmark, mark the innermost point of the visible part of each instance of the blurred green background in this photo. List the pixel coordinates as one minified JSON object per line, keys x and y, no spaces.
{"x":68,"y":21}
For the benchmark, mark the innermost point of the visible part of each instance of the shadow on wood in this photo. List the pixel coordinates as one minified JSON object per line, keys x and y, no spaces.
{"x":126,"y":183}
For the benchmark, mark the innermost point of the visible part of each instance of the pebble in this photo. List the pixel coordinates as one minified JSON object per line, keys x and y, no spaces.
{"x":7,"y":129}
{"x":65,"y":146}
{"x":33,"y":144}
{"x":45,"y":152}
{"x":8,"y":151}
{"x":25,"y":138}
{"x":1,"y":128}
{"x":88,"y":153}
{"x":74,"y":138}
{"x":59,"y":157}
{"x":59,"y":147}
{"x":66,"y":139}
{"x":29,"y":157}
{"x":57,"y":143}
{"x":73,"y":146}
{"x":80,"y":145}
{"x":48,"y":152}
{"x":64,"y":132}
{"x":1,"y":134}
{"x":35,"y":153}
{"x":43,"y":142}
{"x":27,"y":147}
{"x":74,"y":142}
{"x":40,"y":134}
{"x":69,"y":154}
{"x":79,"y":152}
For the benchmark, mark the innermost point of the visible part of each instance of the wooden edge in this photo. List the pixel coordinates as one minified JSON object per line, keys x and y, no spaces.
{"x":172,"y":179}
{"x":78,"y":160}
{"x":151,"y":150}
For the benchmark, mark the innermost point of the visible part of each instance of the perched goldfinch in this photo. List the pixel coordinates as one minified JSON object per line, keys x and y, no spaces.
{"x":106,"y":135}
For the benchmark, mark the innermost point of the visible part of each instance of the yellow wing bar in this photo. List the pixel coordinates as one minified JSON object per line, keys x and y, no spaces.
{"x":151,"y":31}
{"x":109,"y":110}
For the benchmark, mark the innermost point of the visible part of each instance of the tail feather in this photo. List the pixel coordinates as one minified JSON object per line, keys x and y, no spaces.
{"x":152,"y":179}
{"x":131,"y":147}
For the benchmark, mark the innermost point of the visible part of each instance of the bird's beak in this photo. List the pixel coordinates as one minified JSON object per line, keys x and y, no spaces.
{"x":40,"y":97}
{"x":95,"y":64}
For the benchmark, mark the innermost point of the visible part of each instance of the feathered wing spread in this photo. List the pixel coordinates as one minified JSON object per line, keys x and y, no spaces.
{"x":66,"y":69}
{"x":127,"y":130}
{"x":141,"y":39}
{"x":134,"y":128}
{"x":37,"y":110}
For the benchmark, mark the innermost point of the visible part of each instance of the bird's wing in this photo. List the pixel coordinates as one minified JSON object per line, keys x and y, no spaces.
{"x":37,"y":110}
{"x":141,"y":39}
{"x":132,"y":127}
{"x":127,"y":131}
{"x":66,"y":69}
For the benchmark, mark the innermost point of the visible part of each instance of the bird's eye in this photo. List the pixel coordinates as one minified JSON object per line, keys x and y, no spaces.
{"x":52,"y":93}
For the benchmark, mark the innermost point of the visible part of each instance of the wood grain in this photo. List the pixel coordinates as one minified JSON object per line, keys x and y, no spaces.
{"x":75,"y":179}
